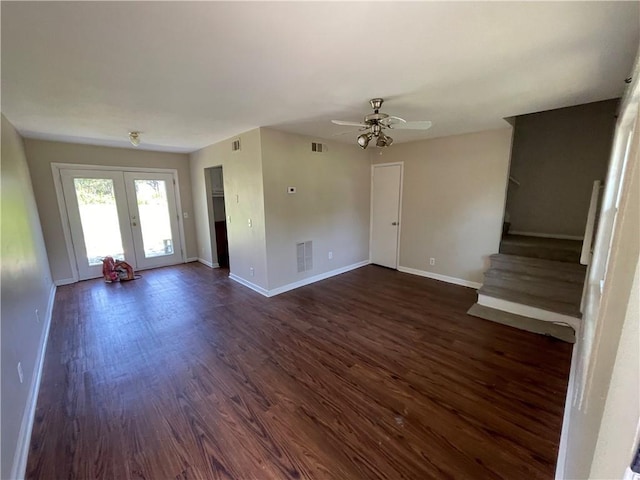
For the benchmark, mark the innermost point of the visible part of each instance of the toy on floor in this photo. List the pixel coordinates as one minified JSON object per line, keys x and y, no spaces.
{"x":117,"y":270}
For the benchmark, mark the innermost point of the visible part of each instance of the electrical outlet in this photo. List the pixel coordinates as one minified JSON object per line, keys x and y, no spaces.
{"x":20,"y":374}
{"x":249,"y":223}
{"x":185,"y":214}
{"x":252,"y":271}
{"x":37,"y":316}
{"x":330,"y":255}
{"x":432,"y":261}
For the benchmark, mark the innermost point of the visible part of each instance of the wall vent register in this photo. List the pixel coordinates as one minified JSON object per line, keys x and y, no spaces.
{"x":304,"y":255}
{"x":318,"y":147}
{"x":235,"y":145}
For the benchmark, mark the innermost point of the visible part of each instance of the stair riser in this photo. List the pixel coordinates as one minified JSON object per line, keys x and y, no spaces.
{"x":543,"y":272}
{"x":568,"y":293}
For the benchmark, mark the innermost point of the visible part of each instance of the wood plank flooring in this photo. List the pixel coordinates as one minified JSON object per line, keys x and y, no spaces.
{"x":374,"y":374}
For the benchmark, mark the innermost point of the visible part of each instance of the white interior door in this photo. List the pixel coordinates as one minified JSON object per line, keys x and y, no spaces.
{"x":154,"y":218}
{"x":385,"y":214}
{"x":98,"y":218}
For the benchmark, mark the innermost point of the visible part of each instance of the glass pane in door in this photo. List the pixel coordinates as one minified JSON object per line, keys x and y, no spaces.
{"x":99,"y":219}
{"x":155,"y":223}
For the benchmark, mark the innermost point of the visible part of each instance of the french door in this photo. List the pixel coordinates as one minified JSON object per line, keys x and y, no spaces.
{"x":131,"y":216}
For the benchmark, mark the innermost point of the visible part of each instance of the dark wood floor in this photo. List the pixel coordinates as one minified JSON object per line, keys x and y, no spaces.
{"x":184,"y":374}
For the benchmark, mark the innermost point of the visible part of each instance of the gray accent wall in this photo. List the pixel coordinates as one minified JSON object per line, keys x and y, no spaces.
{"x":26,"y":286}
{"x":557,"y":155}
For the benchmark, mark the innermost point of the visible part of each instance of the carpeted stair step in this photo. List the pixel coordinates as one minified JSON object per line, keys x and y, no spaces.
{"x":560,"y":250}
{"x":545,"y":287}
{"x":571,"y":309}
{"x":568,"y":272}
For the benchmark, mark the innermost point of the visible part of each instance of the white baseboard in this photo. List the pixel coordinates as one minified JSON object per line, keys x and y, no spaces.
{"x":64,"y":281}
{"x":24,"y":437}
{"x":528,"y":311}
{"x":192,"y":259}
{"x":443,"y":278}
{"x":301,"y":283}
{"x":208,"y":263}
{"x":561,"y":462}
{"x":547,"y":235}
{"x":316,"y":278}
{"x":248,"y":284}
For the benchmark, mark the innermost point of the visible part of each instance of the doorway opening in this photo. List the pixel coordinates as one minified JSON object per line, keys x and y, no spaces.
{"x":214,"y":181}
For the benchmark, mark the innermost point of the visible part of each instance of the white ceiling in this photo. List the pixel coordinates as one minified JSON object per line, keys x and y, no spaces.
{"x":191,"y":74}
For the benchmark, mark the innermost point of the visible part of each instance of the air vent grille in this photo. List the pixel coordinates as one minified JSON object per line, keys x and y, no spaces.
{"x":235,"y":145}
{"x":304,"y":256}
{"x":318,"y":147}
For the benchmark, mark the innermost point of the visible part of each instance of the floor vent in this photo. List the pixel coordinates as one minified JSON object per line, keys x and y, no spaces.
{"x":318,"y":147}
{"x":304,"y":254}
{"x":235,"y":145}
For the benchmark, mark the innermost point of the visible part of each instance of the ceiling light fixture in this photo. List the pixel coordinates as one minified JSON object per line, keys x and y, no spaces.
{"x":375,"y":123}
{"x":134,"y":138}
{"x":363,"y":140}
{"x":375,"y":131}
{"x":384,"y":141}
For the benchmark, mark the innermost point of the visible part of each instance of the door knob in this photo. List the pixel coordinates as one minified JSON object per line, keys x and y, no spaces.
{"x":394,"y":223}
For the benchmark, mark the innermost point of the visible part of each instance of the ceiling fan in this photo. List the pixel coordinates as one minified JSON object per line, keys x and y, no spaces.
{"x":374,"y":124}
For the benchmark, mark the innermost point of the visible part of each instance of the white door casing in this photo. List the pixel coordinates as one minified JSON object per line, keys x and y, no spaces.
{"x":386,"y":187}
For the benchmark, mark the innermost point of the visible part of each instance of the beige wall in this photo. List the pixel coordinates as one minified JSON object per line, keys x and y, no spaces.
{"x":621,"y":416}
{"x":41,"y":154}
{"x":331,"y":206}
{"x":453,"y":201}
{"x":585,"y":425}
{"x":244,"y":200}
{"x":26,"y":286}
{"x":557,"y":155}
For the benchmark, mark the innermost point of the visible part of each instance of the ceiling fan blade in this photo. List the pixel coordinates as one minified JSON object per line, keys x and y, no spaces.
{"x":392,"y":120}
{"x":348,"y":132}
{"x":348,"y":124}
{"x":418,"y":125}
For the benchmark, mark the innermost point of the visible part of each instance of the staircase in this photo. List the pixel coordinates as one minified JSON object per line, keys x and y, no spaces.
{"x":533,"y":278}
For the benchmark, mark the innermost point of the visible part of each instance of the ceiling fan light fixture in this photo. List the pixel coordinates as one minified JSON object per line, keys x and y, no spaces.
{"x":363,"y":140}
{"x":375,"y":123}
{"x":134,"y":138}
{"x":384,"y":141}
